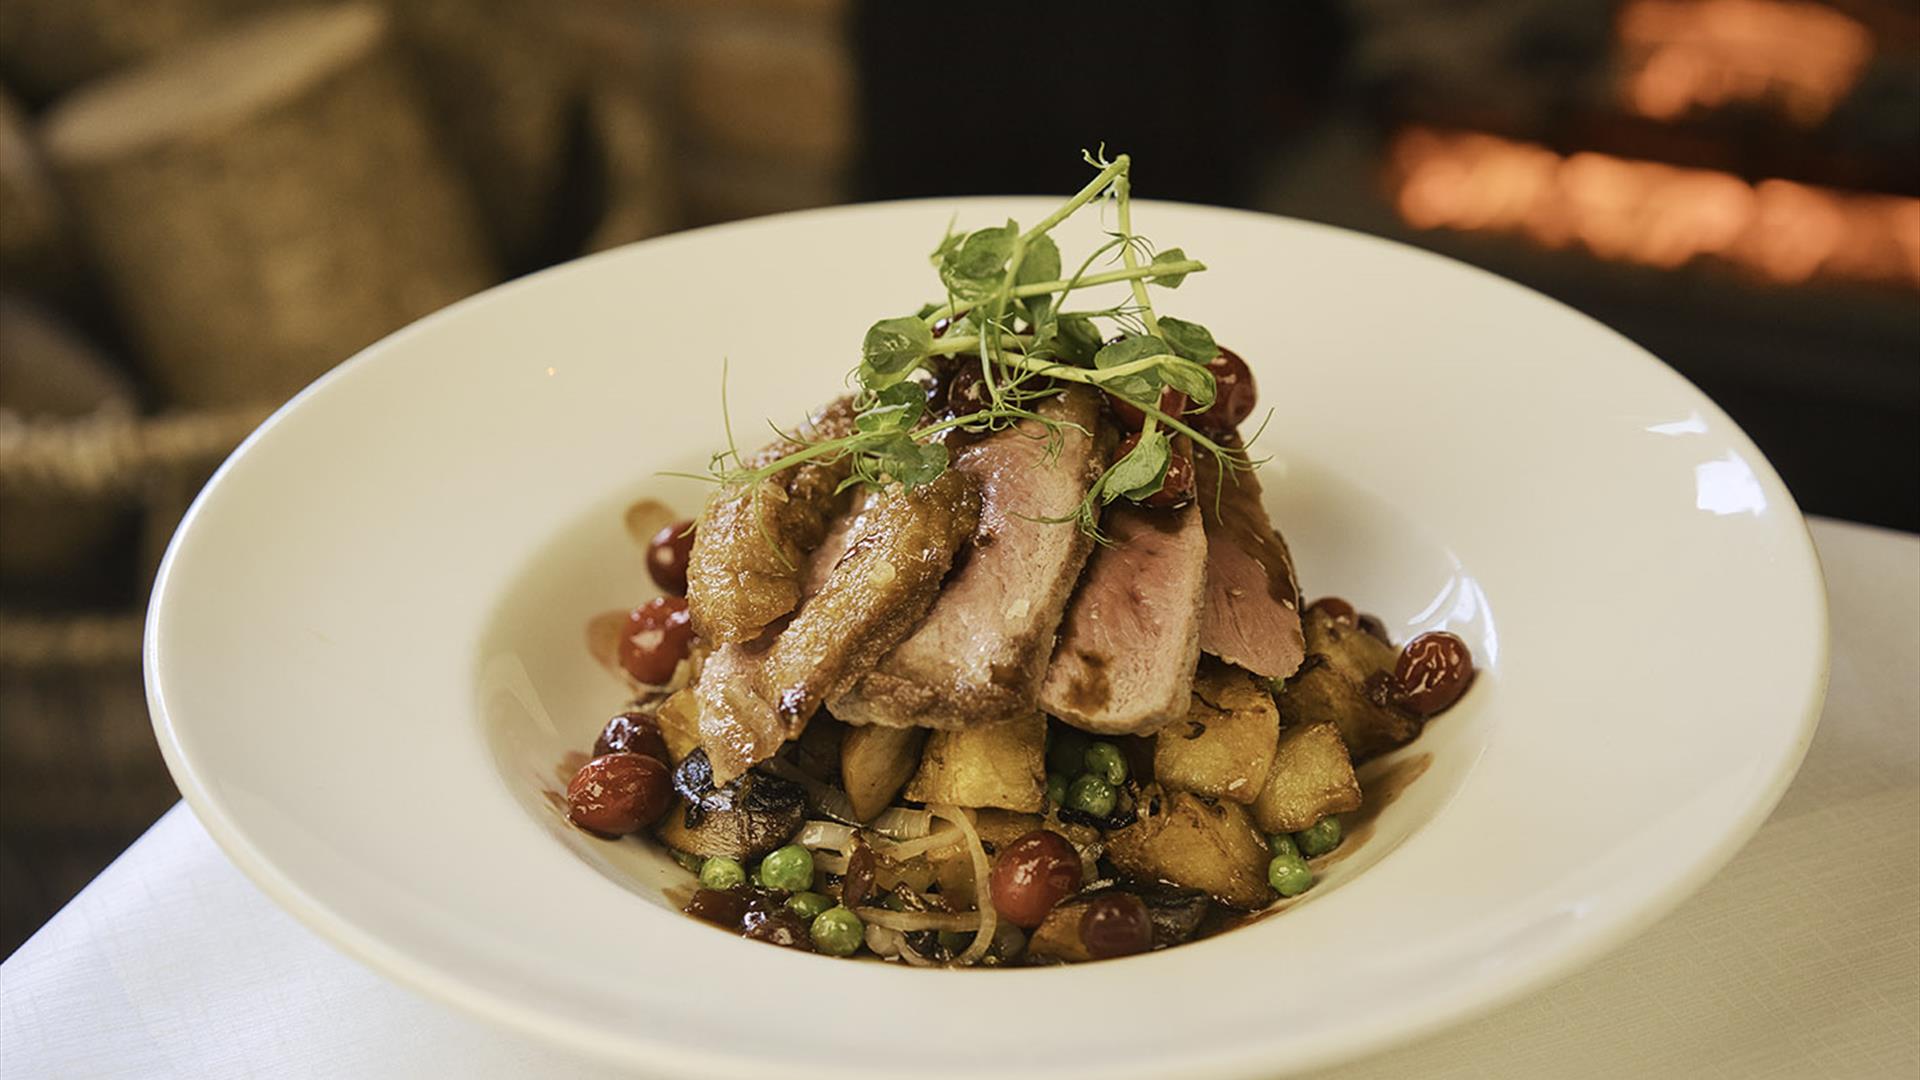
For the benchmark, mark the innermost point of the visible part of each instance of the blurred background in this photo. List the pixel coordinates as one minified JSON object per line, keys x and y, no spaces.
{"x":206,"y":203}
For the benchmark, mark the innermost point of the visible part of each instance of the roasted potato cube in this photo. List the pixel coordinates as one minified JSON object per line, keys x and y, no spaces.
{"x":1058,"y":936}
{"x":998,"y":828}
{"x":875,"y":763}
{"x":679,"y":719}
{"x":1343,"y":663}
{"x":1224,"y":748}
{"x":1002,"y":765}
{"x":1197,"y":843}
{"x":1311,"y":778}
{"x":1321,"y":694}
{"x":1352,"y":651}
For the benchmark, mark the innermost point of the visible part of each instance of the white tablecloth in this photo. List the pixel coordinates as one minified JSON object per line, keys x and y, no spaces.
{"x":1802,"y":959}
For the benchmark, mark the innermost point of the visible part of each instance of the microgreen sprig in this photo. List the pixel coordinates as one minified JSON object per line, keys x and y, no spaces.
{"x":1004,"y":295}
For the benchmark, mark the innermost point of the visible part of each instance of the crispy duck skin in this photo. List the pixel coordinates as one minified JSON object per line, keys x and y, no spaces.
{"x":1252,"y":612}
{"x":751,"y":545}
{"x":978,"y":656}
{"x":755,"y":696}
{"x":1131,"y":639}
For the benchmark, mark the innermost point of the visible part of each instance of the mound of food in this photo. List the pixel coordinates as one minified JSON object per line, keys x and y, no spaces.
{"x":999,"y":659}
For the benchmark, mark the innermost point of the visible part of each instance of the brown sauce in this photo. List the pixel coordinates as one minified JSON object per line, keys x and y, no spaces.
{"x":603,"y":641}
{"x":1220,"y":920}
{"x":1089,"y":690}
{"x":570,"y":763}
{"x":563,"y":771}
{"x":1379,"y":788}
{"x":643,"y":519}
{"x":646,"y":517}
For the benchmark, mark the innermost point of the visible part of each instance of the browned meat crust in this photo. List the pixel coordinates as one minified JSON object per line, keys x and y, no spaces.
{"x":750,"y":549}
{"x":755,"y":696}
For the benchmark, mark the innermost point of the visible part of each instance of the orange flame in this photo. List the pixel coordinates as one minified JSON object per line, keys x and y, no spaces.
{"x":1652,"y":214}
{"x":1681,"y":55}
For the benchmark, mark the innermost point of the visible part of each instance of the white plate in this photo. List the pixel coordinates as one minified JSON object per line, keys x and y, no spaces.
{"x":365,"y":652}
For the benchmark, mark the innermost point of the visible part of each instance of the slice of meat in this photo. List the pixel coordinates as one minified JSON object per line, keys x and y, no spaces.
{"x":878,"y":591}
{"x":1252,"y":613}
{"x":824,"y":558}
{"x":1131,"y":639}
{"x":750,"y":548}
{"x":757,"y":695}
{"x":737,"y":725}
{"x":978,"y":657}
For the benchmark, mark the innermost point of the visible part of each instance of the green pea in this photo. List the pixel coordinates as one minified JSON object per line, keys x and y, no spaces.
{"x":789,"y":869}
{"x":1068,"y":752}
{"x":808,"y":904}
{"x":837,"y":932}
{"x":1092,"y":795}
{"x":1104,"y":760}
{"x":1289,"y":875}
{"x":720,"y":872}
{"x":1056,"y":790}
{"x":954,"y":941}
{"x":1319,"y":838}
{"x":1282,"y":844}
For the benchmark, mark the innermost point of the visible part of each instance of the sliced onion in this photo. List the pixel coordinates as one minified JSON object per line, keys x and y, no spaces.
{"x":832,"y":864}
{"x":1090,"y":860}
{"x":940,"y":838}
{"x":900,"y":823}
{"x":883,"y":942}
{"x":1010,"y":938}
{"x":909,"y":921}
{"x":890,"y":943}
{"x":982,"y":884}
{"x":825,"y":834}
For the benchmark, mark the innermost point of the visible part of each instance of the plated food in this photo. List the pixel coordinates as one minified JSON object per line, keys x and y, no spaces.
{"x":364,"y":657}
{"x":998,"y":659}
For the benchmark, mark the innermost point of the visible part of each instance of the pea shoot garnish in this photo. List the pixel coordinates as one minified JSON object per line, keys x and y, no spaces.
{"x":1005,"y":309}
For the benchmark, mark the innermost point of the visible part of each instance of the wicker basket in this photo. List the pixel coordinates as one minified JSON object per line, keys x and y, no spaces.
{"x":80,"y":775}
{"x":155,"y":465}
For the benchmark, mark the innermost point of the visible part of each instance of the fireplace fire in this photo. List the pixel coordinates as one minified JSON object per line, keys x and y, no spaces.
{"x":1650,"y":213}
{"x":1684,"y":55}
